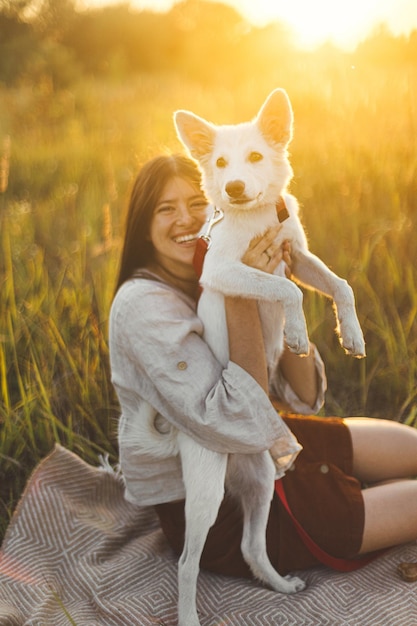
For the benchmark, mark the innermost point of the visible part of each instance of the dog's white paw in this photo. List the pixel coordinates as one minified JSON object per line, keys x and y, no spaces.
{"x":291,"y":584}
{"x":297,"y":342}
{"x":354,"y":348}
{"x":296,"y":583}
{"x":352,"y":341}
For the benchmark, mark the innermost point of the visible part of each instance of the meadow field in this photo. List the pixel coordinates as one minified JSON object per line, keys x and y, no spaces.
{"x":67,"y":161}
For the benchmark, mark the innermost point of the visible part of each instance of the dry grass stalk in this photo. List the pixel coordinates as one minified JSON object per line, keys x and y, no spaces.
{"x":5,"y":163}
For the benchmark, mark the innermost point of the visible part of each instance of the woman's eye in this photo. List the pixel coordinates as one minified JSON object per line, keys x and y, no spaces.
{"x":166,"y":208}
{"x":221,"y":162}
{"x":254,"y":157}
{"x":199,"y":206}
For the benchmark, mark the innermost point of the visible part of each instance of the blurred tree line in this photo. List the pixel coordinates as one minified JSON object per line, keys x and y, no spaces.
{"x":202,"y":40}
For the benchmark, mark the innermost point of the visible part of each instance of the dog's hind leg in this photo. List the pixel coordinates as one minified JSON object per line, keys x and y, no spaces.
{"x":204,"y":475}
{"x":253,"y":480}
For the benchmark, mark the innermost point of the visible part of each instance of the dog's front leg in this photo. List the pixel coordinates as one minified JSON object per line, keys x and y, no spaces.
{"x":233,"y":278}
{"x":313,"y":273}
{"x":204,"y":474}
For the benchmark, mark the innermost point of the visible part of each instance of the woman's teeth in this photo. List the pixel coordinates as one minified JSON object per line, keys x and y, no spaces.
{"x":185,"y":238}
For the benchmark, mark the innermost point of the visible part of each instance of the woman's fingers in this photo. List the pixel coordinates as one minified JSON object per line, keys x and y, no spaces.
{"x":287,"y":258}
{"x":265,"y":253}
{"x":261,"y":242}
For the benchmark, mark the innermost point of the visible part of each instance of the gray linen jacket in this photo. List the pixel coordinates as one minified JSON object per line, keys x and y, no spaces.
{"x":167,"y":378}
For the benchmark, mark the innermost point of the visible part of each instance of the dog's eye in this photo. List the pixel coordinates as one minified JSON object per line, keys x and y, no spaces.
{"x":221,"y":162}
{"x":254,"y":157}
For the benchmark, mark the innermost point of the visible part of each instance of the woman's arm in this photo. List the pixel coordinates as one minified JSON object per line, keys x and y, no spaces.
{"x":246,"y":344}
{"x":158,"y":354}
{"x":301,"y":375}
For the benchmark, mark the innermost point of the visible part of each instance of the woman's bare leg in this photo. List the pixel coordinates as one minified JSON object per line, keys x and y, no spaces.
{"x":390,"y":515}
{"x":386,"y":451}
{"x":382,"y":450}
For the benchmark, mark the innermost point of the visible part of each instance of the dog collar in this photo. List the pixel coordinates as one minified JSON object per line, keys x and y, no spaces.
{"x":282,"y":211}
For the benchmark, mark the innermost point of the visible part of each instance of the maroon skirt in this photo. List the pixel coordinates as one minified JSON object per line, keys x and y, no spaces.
{"x":321,"y":491}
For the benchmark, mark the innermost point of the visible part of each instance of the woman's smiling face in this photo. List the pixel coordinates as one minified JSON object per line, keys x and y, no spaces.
{"x":176,"y":222}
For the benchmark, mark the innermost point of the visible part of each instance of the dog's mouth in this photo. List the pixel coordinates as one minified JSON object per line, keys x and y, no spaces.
{"x":242,"y":200}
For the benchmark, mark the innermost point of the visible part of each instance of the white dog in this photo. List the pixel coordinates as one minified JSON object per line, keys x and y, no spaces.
{"x":245,"y":174}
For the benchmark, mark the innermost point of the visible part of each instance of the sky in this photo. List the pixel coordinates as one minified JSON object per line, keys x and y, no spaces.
{"x":344,"y":22}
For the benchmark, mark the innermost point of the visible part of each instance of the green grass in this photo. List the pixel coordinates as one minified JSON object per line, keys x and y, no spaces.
{"x":73,"y":157}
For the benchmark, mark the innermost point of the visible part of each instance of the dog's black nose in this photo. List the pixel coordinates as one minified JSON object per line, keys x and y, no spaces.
{"x":235,"y":188}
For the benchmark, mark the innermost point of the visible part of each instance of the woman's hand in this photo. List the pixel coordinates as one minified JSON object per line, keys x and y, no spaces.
{"x":265,"y":254}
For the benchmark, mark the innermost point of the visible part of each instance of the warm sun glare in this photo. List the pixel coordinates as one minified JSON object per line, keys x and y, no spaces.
{"x":312,"y":21}
{"x":315,"y":22}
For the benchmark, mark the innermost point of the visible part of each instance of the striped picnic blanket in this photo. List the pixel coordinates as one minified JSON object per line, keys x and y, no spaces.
{"x":77,"y":553}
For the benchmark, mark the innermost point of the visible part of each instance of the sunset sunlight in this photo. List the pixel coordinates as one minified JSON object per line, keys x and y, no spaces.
{"x":312,"y":23}
{"x":316,"y":22}
{"x":310,"y":153}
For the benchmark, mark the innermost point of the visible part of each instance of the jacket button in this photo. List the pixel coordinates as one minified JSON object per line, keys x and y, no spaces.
{"x":182,"y":365}
{"x":324,"y":468}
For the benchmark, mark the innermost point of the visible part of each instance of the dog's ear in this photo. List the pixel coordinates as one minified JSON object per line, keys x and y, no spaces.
{"x":195,"y":133}
{"x":275,"y":118}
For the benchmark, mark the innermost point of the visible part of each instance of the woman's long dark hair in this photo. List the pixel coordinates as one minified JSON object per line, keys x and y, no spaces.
{"x":152,"y":178}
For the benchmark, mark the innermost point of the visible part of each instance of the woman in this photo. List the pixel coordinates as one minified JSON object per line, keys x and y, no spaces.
{"x":167,"y":378}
